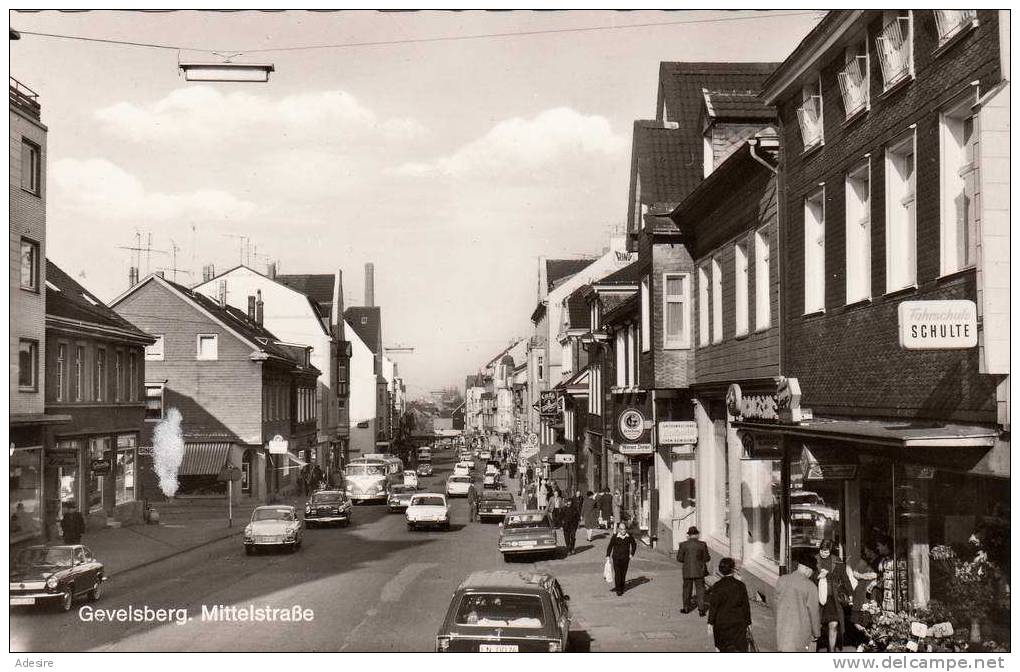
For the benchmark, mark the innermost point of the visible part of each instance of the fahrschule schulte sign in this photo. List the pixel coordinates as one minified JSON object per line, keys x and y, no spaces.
{"x":938,"y":325}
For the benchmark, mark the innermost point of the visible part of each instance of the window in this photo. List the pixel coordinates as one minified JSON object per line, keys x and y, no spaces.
{"x":79,"y":373}
{"x":29,"y":265}
{"x":154,"y":401}
{"x":854,"y":79}
{"x":703,"y":305}
{"x":61,"y":370}
{"x":154,"y":352}
{"x":540,"y":364}
{"x":900,"y":216}
{"x":595,"y":324}
{"x":716,"y":301}
{"x":646,"y":316}
{"x":677,"y":310}
{"x":31,"y":166}
{"x":809,"y":115}
{"x":620,"y":337}
{"x":100,"y":374}
{"x":762,"y":281}
{"x":949,"y":22}
{"x":566,"y":357}
{"x":125,"y":468}
{"x":595,"y":390}
{"x":118,"y":376}
{"x":959,"y":186}
{"x":740,"y":271}
{"x":894,"y":45}
{"x":132,"y":377}
{"x":28,"y":365}
{"x":858,"y":234}
{"x":208,"y":347}
{"x":814,"y":253}
{"x":99,"y":451}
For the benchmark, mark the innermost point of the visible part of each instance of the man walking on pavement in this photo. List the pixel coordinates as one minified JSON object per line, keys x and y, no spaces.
{"x":569,"y":519}
{"x":72,"y":524}
{"x":798,"y":624}
{"x":472,"y":502}
{"x":694,"y":556}
{"x":605,"y":501}
{"x":589,"y":518}
{"x":729,"y":611}
{"x":620,"y":549}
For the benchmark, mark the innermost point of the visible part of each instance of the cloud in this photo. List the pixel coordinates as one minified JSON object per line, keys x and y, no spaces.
{"x":97,"y":188}
{"x":521,"y":147}
{"x":206,"y":114}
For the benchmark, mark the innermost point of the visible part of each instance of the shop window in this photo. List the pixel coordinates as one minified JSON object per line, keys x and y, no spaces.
{"x":98,"y":472}
{"x":858,"y":234}
{"x":28,"y":365}
{"x":959,"y":187}
{"x":814,"y":253}
{"x":124,"y":470}
{"x":25,"y":493}
{"x":817,"y":512}
{"x":900,"y":216}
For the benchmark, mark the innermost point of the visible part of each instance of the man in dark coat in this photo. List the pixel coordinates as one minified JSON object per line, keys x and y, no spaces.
{"x":589,"y":516}
{"x":472,"y":502}
{"x":693,"y":555}
{"x":72,"y":524}
{"x":620,"y":549}
{"x":605,"y":504}
{"x":569,"y":518}
{"x":729,"y":611}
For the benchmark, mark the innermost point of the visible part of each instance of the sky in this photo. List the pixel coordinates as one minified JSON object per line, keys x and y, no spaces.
{"x":451,"y":165}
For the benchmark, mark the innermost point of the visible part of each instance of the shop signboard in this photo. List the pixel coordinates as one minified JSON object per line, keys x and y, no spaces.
{"x":563,"y":458}
{"x":635,"y":448}
{"x":683,"y":451}
{"x":617,"y":458}
{"x":548,"y":404}
{"x":677,"y":433}
{"x":938,"y":325}
{"x":278,"y":445}
{"x":631,"y":424}
{"x":61,"y":458}
{"x":760,"y":446}
{"x":780,"y":406}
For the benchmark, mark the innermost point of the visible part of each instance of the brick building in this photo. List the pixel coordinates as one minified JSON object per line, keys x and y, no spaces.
{"x":893,"y":199}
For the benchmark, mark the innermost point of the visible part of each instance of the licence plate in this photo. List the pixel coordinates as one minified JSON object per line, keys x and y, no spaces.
{"x":498,"y":648}
{"x":527,"y":543}
{"x":19,"y":601}
{"x":499,"y":510}
{"x":270,"y":540}
{"x":802,"y":516}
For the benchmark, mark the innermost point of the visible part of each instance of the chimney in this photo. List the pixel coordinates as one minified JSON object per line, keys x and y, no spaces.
{"x":251,"y":307}
{"x":369,"y":284}
{"x":208,"y":272}
{"x":258,"y":307}
{"x":132,"y":277}
{"x":271,"y":270}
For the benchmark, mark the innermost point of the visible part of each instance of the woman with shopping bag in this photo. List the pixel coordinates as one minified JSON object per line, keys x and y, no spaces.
{"x":620,"y":549}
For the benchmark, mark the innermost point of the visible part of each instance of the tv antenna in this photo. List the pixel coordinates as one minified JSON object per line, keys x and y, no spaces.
{"x":175,"y":248}
{"x":137,"y":250}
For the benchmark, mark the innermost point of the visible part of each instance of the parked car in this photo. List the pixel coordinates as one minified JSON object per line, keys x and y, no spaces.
{"x":495,"y":504}
{"x":425,"y":469}
{"x":457,"y":486}
{"x":506,"y":612}
{"x":399,"y":497}
{"x":328,"y":506}
{"x":428,"y":509}
{"x":527,"y":533}
{"x":273,"y":526}
{"x":55,"y":575}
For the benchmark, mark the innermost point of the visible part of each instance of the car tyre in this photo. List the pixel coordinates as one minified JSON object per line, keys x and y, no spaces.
{"x":249,"y":550}
{"x":506,"y":558}
{"x":97,"y":590}
{"x":410,"y":527}
{"x":67,"y":599}
{"x":446,"y":527}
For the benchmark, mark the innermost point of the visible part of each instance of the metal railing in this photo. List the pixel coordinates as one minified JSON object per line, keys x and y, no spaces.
{"x":951,"y":21}
{"x":24,"y":98}
{"x":894,"y":47}
{"x":809,"y":115}
{"x":853,"y":84}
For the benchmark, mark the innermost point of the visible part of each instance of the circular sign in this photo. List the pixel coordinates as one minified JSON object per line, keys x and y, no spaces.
{"x":532,"y":440}
{"x":632,"y":424}
{"x":734,"y":400}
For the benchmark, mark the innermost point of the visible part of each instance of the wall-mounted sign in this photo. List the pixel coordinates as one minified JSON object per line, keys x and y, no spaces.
{"x":783,"y":405}
{"x":632,"y":424}
{"x":563,"y":458}
{"x":102,"y":466}
{"x":528,"y":452}
{"x":278,"y":445}
{"x":677,"y":433}
{"x":682,"y":451}
{"x":635,"y":448}
{"x":919,"y":471}
{"x":532,"y":440}
{"x":548,"y":404}
{"x":938,"y":325}
{"x":616,"y":458}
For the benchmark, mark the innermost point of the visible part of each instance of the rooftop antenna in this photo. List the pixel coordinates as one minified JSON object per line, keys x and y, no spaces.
{"x":244,"y":256}
{"x":173,"y":261}
{"x":137,"y":250}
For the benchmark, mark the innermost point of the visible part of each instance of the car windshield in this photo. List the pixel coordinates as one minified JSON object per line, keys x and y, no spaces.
{"x":365,"y":470}
{"x":806,"y":498}
{"x":428,"y":501}
{"x":51,"y":557}
{"x":397,"y":489}
{"x":527,"y":520}
{"x":500,"y":611}
{"x":273,"y":514}
{"x":460,"y":479}
{"x":327,"y":498}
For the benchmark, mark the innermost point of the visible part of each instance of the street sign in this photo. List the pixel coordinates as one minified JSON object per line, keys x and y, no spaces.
{"x":563,"y":458}
{"x":528,"y":452}
{"x":532,"y":440}
{"x":677,"y":433}
{"x":635,"y":448}
{"x":938,"y":325}
{"x":229,"y":473}
{"x":278,"y":445}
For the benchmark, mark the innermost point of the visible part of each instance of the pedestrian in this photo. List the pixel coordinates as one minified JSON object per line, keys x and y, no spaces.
{"x":556,"y":506}
{"x":694,"y":556}
{"x":303,"y":478}
{"x":529,"y":473}
{"x":621,"y":548}
{"x":569,"y":519}
{"x":472,"y":501}
{"x":318,"y":477}
{"x":729,"y":610}
{"x":617,"y":506}
{"x":542,"y":496}
{"x":606,"y":509}
{"x":864,"y":580}
{"x":532,"y":499}
{"x":797,"y":620}
{"x":72,"y":524}
{"x":589,"y":517}
{"x":834,"y":593}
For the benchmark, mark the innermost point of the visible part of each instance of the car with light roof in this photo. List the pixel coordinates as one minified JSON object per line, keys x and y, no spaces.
{"x":326,"y":507}
{"x":461,"y":469}
{"x":274,"y":526}
{"x":457,"y":485}
{"x":428,"y":509}
{"x":524,"y":533}
{"x":506,"y":612}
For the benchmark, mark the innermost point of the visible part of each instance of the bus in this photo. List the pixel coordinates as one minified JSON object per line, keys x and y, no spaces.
{"x":370,"y":477}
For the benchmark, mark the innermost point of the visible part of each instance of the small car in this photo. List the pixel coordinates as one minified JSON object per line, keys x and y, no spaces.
{"x":527,"y":533}
{"x":494,"y":504}
{"x":485,"y":455}
{"x":328,"y":506}
{"x":399,"y":497}
{"x":273,"y":526}
{"x":490,"y":481}
{"x":425,"y":469}
{"x":461,"y":469}
{"x":506,"y":612}
{"x":457,"y":486}
{"x":410,"y":478}
{"x":491,"y":468}
{"x":55,"y":575}
{"x":428,"y":509}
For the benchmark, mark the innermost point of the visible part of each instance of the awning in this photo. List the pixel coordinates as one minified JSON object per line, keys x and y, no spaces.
{"x":893,"y":433}
{"x":203,"y":459}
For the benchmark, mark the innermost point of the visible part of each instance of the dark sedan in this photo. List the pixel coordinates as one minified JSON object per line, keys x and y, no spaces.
{"x":55,"y":575}
{"x":528,"y":533}
{"x":495,"y":504}
{"x":326,"y":507}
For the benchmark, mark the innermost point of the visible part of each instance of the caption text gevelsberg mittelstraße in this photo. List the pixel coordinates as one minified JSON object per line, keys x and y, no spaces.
{"x":223,"y":613}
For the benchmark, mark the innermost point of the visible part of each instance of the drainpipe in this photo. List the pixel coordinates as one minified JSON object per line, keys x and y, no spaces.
{"x":753,"y":143}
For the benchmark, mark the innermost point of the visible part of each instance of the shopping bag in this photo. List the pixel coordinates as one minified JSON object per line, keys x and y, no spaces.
{"x":607,"y":571}
{"x":752,"y":646}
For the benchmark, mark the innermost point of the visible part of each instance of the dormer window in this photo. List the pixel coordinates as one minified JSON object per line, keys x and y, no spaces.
{"x":949,"y":22}
{"x":809,"y":115}
{"x":895,"y":48}
{"x":853,"y":80}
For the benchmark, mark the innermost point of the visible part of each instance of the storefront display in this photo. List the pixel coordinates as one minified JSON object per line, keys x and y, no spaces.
{"x":25,"y":493}
{"x":124,"y":469}
{"x":99,"y":468}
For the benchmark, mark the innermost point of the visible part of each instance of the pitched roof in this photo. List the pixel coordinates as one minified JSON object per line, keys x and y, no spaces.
{"x":737,"y":105}
{"x":557,"y":270}
{"x":628,"y":275}
{"x":316,"y":286}
{"x":68,"y":299}
{"x":371,"y":331}
{"x":578,"y":315}
{"x":610,"y":302}
{"x":680,"y":88}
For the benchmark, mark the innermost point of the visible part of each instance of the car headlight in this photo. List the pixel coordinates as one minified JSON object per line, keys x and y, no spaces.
{"x":308,"y":509}
{"x":554,"y":647}
{"x":247,"y":532}
{"x":51,"y":583}
{"x":442,"y":644}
